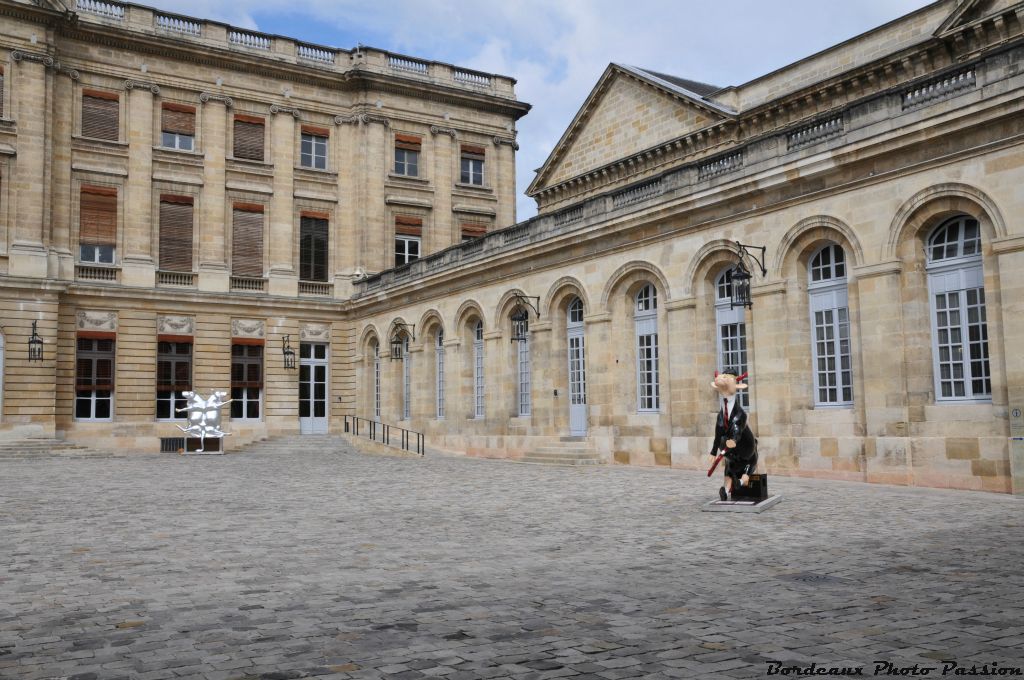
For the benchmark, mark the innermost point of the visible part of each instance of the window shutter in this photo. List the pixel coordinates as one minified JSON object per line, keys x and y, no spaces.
{"x":247,"y":240}
{"x":408,"y":226}
{"x":408,"y":142}
{"x":471,"y":151}
{"x":312,"y":248}
{"x":97,"y":216}
{"x":100,"y":115}
{"x":248,"y":138}
{"x":176,"y":233}
{"x":473,"y":230}
{"x":179,"y":119}
{"x":316,"y":130}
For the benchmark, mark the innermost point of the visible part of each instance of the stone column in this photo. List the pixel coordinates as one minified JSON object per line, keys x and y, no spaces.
{"x":685,"y":380}
{"x":496,"y":386}
{"x":767,"y":341}
{"x":283,"y":278}
{"x":60,"y":209}
{"x":446,"y":224}
{"x":213,"y":216}
{"x":138,"y":266}
{"x":504,"y":180}
{"x":344,"y":231}
{"x":545,"y":409}
{"x":601,"y":369}
{"x":378,"y":251}
{"x":28,"y":255}
{"x":1011,"y":279}
{"x":881,"y":333}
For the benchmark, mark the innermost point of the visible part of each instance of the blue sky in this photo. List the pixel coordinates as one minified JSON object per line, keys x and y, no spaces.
{"x":558,"y":48}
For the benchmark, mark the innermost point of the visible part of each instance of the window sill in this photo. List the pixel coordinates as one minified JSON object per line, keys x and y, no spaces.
{"x":96,"y":141}
{"x":648,"y":412}
{"x":964,"y":402}
{"x":183,"y":152}
{"x":475,"y":187}
{"x":846,"y":406}
{"x":250,"y":161}
{"x":321,"y":171}
{"x":417,"y":179}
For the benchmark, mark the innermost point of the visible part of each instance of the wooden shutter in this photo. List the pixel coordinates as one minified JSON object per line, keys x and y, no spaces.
{"x":249,"y":137}
{"x":408,"y":142}
{"x":247,"y":240}
{"x":179,"y":119}
{"x":312,"y":248}
{"x":473,"y":230}
{"x":101,"y":115}
{"x":97,"y":216}
{"x":408,"y":226}
{"x":316,"y":130}
{"x":470,"y":151}
{"x":176,"y":233}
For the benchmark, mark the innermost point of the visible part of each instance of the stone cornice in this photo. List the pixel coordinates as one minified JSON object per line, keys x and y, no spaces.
{"x":887,"y":268}
{"x":1008,"y":244}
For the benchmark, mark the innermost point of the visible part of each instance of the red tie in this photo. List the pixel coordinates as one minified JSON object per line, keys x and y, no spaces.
{"x":725,"y":411}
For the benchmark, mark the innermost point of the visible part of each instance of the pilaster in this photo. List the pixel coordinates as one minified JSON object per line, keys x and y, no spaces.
{"x":283,"y":279}
{"x":882,"y":349}
{"x":446,"y":226}
{"x":138,"y":266}
{"x":28,"y":255}
{"x":214,"y":220}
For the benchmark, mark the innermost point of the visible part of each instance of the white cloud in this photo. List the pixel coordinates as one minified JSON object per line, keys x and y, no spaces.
{"x":557,"y":50}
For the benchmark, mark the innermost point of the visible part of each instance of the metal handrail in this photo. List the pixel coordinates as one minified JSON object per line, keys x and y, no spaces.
{"x":373,"y":428}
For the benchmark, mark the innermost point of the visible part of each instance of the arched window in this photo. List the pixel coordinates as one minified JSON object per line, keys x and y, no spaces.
{"x":478,"y":370}
{"x":406,"y":380}
{"x":521,"y":336}
{"x":731,"y":332}
{"x":576,"y":342}
{"x":439,"y":369}
{"x":645,"y":314}
{"x":376,"y":381}
{"x":830,"y":327}
{"x":956,"y":288}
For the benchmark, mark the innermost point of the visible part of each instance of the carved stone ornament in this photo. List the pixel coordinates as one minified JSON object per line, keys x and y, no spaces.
{"x":89,"y":320}
{"x":320,"y":332}
{"x":176,"y":325}
{"x":44,"y":59}
{"x":248,"y":328}
{"x":504,"y":140}
{"x":132,"y":84}
{"x":222,"y":98}
{"x":277,"y":108}
{"x":437,"y":130}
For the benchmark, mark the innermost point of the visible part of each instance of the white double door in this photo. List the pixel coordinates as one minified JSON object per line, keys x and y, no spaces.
{"x":577,"y":383}
{"x":313,"y":406}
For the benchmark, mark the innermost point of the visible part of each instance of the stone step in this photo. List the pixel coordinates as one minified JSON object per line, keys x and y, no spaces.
{"x":561,"y":460}
{"x":563,"y":454}
{"x":564,"y":450}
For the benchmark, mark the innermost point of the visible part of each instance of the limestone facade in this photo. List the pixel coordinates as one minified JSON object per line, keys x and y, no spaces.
{"x":868,"y":151}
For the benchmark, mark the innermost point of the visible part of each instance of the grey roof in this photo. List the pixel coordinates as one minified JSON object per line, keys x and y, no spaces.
{"x":691,"y":89}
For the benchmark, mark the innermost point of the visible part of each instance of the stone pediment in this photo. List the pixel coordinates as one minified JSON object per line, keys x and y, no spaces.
{"x":629,"y":111}
{"x":968,"y":11}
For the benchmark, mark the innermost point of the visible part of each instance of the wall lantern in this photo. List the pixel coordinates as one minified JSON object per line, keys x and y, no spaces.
{"x":521,"y":316}
{"x":288,"y":352}
{"x":401,"y":333}
{"x":35,"y":345}
{"x":740,"y":276}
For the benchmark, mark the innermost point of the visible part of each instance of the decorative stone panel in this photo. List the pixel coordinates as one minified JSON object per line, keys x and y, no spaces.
{"x":315,"y":332}
{"x":248,"y":328}
{"x":175,"y":325}
{"x":93,"y":320}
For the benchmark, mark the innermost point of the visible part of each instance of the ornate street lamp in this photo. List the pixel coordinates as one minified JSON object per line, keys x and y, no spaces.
{"x":288,"y":352}
{"x":35,"y":345}
{"x":402,"y":332}
{"x":740,"y":276}
{"x":521,"y":316}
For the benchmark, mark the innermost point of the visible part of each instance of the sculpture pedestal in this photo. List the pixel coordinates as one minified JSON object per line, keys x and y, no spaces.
{"x":751,"y":498}
{"x":213,"y":447}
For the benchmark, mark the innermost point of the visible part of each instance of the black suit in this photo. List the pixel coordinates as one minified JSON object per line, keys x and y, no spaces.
{"x":741,"y":460}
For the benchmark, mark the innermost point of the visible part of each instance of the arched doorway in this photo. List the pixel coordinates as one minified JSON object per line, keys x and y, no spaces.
{"x":577,"y":369}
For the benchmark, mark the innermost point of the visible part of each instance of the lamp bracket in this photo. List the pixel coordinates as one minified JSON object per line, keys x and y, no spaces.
{"x":747,"y":251}
{"x":529,"y":301}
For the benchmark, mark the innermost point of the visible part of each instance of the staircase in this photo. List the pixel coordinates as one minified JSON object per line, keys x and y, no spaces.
{"x":46,"y":447}
{"x":567,"y":452}
{"x":290,"y":444}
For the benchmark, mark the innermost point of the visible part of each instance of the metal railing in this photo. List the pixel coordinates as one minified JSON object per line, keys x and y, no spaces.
{"x":376,"y":431}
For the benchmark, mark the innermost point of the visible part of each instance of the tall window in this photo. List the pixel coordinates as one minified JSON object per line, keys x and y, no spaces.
{"x":173,"y":376}
{"x":406,"y":380}
{"x":732,"y":333}
{"x":521,"y":336}
{"x":577,"y":354}
{"x":408,"y":239}
{"x":178,"y":127}
{"x":830,"y":327}
{"x":101,"y":115}
{"x":312,"y":248}
{"x":247,"y":240}
{"x":97,"y":220}
{"x":645,"y":314}
{"x":472,"y":165}
{"x":94,"y":379}
{"x":176,"y":233}
{"x":439,"y":373}
{"x":959,"y":326}
{"x":478,"y":370}
{"x":313,"y":150}
{"x":248,"y":137}
{"x":246,"y":381}
{"x":376,"y":381}
{"x":407,"y":155}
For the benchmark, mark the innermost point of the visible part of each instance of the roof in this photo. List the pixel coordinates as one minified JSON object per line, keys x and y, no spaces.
{"x":697,"y":87}
{"x":697,"y":92}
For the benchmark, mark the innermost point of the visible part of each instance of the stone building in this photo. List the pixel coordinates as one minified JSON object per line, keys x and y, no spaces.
{"x":882,"y":175}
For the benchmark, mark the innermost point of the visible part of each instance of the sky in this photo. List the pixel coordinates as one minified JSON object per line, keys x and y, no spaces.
{"x":557,"y":49}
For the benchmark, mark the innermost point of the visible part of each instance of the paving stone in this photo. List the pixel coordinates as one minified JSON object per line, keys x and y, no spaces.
{"x":326,"y":563}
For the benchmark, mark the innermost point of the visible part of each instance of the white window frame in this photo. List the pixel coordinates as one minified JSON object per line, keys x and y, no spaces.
{"x":828,"y":296}
{"x":245,"y":399}
{"x":96,"y":255}
{"x":403,"y":165}
{"x":176,"y":140}
{"x":406,"y":381}
{"x":404,"y":252}
{"x":478,"y":371}
{"x":439,"y":375}
{"x":471,"y":171}
{"x":577,"y":360}
{"x":524,"y":377}
{"x":177,"y":394}
{"x":316,"y":157}
{"x":648,"y":374}
{"x":376,"y":381}
{"x":92,"y":397}
{"x":956,"y":277}
{"x":731,"y":329}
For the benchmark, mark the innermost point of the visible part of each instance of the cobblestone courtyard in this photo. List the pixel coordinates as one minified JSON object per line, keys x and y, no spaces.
{"x":323,"y":561}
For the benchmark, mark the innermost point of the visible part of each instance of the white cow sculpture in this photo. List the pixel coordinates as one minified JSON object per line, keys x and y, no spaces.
{"x":204,"y":417}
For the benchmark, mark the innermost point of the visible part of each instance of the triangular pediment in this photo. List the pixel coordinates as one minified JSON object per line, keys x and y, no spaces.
{"x":968,"y":11}
{"x":629,"y":111}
